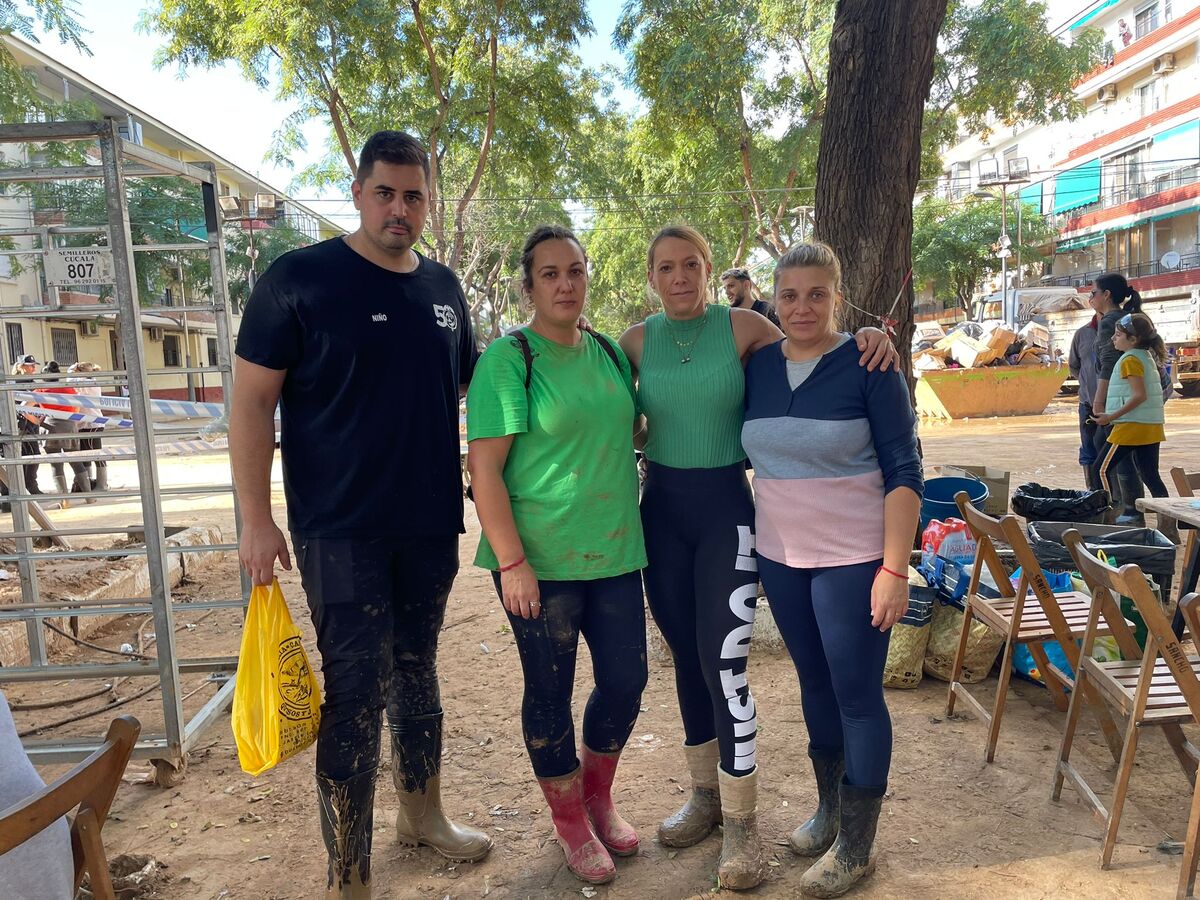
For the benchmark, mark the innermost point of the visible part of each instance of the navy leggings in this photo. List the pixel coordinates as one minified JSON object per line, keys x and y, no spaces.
{"x":702,"y":587}
{"x":608,"y":612}
{"x":824,"y":616}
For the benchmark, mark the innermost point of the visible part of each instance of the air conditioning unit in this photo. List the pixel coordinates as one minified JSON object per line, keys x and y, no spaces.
{"x":89,"y":328}
{"x":1164,"y":64}
{"x":1106,"y":94}
{"x":156,"y":333}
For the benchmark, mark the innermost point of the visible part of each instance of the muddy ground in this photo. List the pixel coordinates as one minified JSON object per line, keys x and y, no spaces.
{"x":953,"y":827}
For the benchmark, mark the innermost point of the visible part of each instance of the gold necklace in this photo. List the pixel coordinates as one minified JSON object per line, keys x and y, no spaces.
{"x":685,"y":348}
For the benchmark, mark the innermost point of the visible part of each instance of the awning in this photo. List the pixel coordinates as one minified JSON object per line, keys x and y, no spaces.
{"x":1089,"y":240}
{"x":1079,"y":23}
{"x":1078,"y":243}
{"x":1032,"y":196}
{"x":1175,"y":148}
{"x":1077,"y":187}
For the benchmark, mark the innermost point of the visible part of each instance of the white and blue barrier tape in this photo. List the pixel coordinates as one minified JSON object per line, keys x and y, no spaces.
{"x":162,"y":407}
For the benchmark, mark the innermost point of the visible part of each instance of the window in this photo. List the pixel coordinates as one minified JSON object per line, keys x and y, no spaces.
{"x":1124,"y":175}
{"x":65,"y":345}
{"x":212,"y":352}
{"x":171,"y":353}
{"x":1146,"y":98}
{"x":16,"y":340}
{"x":1146,"y":20}
{"x":6,"y":267}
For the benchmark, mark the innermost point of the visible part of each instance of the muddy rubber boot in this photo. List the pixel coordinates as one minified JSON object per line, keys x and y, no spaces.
{"x":816,"y":835}
{"x":850,"y":859}
{"x":702,"y":811}
{"x":83,"y":485}
{"x":347,"y":813}
{"x":586,"y":857}
{"x":60,"y":483}
{"x":101,"y":478}
{"x":416,"y":773}
{"x":740,"y":866}
{"x":614,"y":832}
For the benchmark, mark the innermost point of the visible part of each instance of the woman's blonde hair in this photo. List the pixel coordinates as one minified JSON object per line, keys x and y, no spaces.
{"x":83,"y":367}
{"x":683,"y":233}
{"x":811,"y":255}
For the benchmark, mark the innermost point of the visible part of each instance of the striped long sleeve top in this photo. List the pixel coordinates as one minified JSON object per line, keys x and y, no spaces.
{"x":825,"y":455}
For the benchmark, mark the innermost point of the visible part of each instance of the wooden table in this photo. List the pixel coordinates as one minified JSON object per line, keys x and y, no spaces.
{"x":1186,"y":511}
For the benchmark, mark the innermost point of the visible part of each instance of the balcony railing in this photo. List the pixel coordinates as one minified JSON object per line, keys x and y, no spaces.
{"x":1187,"y":262}
{"x":1136,"y":191}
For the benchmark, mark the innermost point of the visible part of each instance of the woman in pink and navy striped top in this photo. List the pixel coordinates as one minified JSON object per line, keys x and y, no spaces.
{"x":837,"y":485}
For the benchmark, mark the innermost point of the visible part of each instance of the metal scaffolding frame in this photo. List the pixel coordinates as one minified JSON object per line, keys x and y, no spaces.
{"x":119,"y":160}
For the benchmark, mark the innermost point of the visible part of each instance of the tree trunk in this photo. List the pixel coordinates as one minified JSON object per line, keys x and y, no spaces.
{"x":880,"y":69}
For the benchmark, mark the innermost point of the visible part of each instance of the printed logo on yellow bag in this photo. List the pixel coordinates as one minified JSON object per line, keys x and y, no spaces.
{"x":276,"y":701}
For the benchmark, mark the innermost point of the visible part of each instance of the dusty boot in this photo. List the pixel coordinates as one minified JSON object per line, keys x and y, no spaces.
{"x":586,"y":856}
{"x":702,"y":812}
{"x":816,"y":835}
{"x":1132,"y":491}
{"x":346,"y":817}
{"x":740,"y":865}
{"x":849,"y":859}
{"x":60,"y":482}
{"x":101,"y":478}
{"x":416,"y":767}
{"x":82,"y":485}
{"x":615,"y":833}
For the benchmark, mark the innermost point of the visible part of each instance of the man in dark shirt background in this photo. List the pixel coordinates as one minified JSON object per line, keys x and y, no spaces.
{"x":366,"y":346}
{"x":742,"y":293}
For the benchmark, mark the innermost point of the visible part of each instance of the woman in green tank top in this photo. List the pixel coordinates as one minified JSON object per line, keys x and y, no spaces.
{"x":701,"y":579}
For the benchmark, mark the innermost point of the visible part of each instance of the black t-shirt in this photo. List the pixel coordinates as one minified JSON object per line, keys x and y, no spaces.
{"x":374,"y":359}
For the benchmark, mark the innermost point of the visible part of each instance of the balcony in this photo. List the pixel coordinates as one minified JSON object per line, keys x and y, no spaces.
{"x":1145,"y":26}
{"x":1187,"y":262}
{"x":1139,"y":190}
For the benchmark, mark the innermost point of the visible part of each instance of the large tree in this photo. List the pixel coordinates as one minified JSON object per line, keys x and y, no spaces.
{"x":19,"y":96}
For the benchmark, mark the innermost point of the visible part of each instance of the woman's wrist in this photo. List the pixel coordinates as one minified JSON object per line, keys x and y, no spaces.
{"x":512,"y":565}
{"x":895,"y":573}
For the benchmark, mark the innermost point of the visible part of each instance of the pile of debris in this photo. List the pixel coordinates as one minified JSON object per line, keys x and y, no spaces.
{"x":975,"y":345}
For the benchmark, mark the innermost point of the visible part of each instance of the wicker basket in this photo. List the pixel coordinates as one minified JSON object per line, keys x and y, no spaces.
{"x":983,"y":645}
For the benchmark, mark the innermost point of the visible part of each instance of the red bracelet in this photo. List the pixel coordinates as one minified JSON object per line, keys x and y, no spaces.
{"x":512,"y":566}
{"x":877,"y":571}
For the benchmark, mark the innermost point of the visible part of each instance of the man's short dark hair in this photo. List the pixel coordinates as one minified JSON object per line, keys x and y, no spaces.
{"x":738,"y":272}
{"x":395,"y":147}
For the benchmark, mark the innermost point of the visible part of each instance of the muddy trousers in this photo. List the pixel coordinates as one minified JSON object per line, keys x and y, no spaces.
{"x":702,"y":589}
{"x":377,"y":605}
{"x":608,"y":612}
{"x":824,"y":616}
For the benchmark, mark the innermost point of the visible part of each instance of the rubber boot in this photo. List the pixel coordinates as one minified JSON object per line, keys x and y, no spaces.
{"x":101,"y":478}
{"x":850,"y":859}
{"x":31,"y":480}
{"x":1131,"y":491}
{"x":740,"y":866}
{"x":347,"y":813}
{"x":586,"y":856}
{"x":416,"y":773}
{"x":614,"y":832}
{"x":702,"y":811}
{"x":816,"y":835}
{"x":83,"y":485}
{"x":60,"y":482}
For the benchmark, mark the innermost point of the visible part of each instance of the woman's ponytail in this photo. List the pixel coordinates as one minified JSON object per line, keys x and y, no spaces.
{"x":1133,"y":303}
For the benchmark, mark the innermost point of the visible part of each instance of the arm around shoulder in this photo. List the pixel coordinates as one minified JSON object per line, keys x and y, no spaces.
{"x":631,"y":343}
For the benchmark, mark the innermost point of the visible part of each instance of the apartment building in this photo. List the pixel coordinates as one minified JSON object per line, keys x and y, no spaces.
{"x":170,"y":339}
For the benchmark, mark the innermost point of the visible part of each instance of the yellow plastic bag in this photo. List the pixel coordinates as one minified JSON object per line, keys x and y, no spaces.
{"x":276,"y":701}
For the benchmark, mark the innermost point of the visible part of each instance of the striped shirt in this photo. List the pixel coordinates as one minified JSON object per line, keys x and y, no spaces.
{"x":825,"y":455}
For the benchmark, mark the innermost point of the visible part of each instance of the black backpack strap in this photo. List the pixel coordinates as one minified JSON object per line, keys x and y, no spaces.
{"x":607,"y":345}
{"x":527,"y":353}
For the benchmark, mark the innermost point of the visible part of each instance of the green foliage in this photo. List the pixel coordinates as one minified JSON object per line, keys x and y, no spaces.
{"x":952,"y":243}
{"x":269,"y":244}
{"x":18,"y":95}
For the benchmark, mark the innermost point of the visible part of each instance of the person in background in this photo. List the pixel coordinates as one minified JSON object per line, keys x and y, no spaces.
{"x":837,"y":493}
{"x":1124,"y":33}
{"x":1082,"y":363}
{"x":28,"y":424}
{"x":89,"y":432}
{"x":743,"y":294}
{"x":80,"y":483}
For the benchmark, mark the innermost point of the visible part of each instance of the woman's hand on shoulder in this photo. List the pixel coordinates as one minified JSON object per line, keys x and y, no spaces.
{"x":877,"y":349}
{"x":631,"y":344}
{"x":752,"y":331}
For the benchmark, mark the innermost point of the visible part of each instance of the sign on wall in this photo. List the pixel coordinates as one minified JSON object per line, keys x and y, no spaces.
{"x":78,"y":266}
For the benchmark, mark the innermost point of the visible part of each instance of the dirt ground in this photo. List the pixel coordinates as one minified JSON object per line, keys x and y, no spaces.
{"x":953,"y":827}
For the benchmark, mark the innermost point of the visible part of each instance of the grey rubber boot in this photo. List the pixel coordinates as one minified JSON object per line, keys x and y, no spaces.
{"x":347,"y":814}
{"x":60,"y":484}
{"x":1131,"y":491}
{"x":816,"y":835}
{"x":740,"y":866}
{"x":850,"y":859}
{"x":101,"y":478}
{"x":702,"y":811}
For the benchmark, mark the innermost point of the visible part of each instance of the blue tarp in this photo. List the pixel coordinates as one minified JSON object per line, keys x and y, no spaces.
{"x":1077,"y":187}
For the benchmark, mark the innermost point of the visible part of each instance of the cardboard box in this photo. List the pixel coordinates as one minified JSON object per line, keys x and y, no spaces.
{"x":997,"y":481}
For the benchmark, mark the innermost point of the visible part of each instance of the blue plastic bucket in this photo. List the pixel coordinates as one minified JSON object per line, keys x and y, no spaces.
{"x":938,"y":501}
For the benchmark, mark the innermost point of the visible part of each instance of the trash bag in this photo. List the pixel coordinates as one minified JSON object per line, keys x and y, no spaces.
{"x":276,"y":701}
{"x":1042,"y":504}
{"x":1145,"y":547}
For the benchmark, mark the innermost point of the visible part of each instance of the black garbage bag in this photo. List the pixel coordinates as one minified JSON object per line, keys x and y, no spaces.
{"x":1042,"y":504}
{"x":1145,"y":547}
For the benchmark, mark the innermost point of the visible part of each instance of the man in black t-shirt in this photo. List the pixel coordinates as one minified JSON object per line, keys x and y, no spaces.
{"x":742,"y":294}
{"x":366,"y":346}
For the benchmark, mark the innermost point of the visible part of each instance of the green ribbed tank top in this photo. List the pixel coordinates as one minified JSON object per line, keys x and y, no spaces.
{"x":693,"y":410}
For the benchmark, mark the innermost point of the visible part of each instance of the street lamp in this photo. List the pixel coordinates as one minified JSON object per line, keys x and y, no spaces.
{"x":1016,"y":172}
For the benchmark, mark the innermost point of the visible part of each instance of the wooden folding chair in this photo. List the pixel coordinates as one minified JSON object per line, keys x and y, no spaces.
{"x":90,"y":786}
{"x":1030,"y":614}
{"x":1162,"y":690}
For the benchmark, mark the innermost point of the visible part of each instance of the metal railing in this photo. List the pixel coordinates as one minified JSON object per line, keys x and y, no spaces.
{"x":1187,"y":262}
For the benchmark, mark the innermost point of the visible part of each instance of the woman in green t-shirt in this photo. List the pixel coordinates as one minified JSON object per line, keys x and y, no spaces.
{"x":550,"y":417}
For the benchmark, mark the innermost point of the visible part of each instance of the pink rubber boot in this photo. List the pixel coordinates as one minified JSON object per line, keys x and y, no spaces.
{"x":586,"y":856}
{"x":614,"y":832}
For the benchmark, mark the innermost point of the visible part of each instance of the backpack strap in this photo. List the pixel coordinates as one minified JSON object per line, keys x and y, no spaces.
{"x":527,"y":353}
{"x":606,"y":344}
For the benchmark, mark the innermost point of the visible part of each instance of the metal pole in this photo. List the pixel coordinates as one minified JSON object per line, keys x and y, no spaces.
{"x":15,"y":476}
{"x":187,"y":340}
{"x":1020,"y":271}
{"x":1009,"y":319}
{"x":129,"y":311}
{"x":253,"y":276}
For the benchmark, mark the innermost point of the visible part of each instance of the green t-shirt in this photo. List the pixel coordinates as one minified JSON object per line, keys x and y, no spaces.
{"x":571,"y":473}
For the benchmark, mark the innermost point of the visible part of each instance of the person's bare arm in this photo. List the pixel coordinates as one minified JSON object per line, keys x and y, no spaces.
{"x":631,"y":343}
{"x":877,"y":349}
{"x":485,"y":461}
{"x":256,"y":391}
{"x":752,"y":332}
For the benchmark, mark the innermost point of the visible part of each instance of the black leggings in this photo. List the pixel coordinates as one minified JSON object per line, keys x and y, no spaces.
{"x":1145,"y":460}
{"x":377,"y":605}
{"x":608,"y":612}
{"x":702,"y":587}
